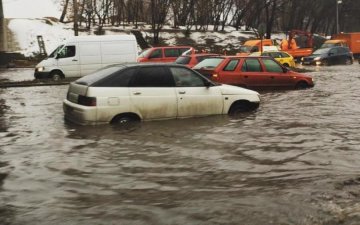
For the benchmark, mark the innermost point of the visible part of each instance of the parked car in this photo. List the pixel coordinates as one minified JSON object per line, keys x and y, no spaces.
{"x":193,"y":59}
{"x":164,"y":54}
{"x":123,"y":93}
{"x":329,"y":56}
{"x":252,"y":72}
{"x":282,"y":57}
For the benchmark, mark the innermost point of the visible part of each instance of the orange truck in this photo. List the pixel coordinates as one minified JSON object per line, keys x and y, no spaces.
{"x":251,"y":46}
{"x":291,"y":47}
{"x":351,"y":40}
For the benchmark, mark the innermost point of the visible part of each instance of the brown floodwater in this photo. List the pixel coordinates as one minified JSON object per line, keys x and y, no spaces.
{"x":293,"y":161}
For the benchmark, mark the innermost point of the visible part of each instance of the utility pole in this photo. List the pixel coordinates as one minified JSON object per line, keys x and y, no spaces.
{"x":337,"y":15}
{"x":3,"y":43}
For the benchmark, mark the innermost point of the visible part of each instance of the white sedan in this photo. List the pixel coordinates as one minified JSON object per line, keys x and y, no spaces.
{"x":133,"y":92}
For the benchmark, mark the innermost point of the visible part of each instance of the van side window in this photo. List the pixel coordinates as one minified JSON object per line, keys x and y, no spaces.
{"x":152,"y":77}
{"x":251,"y":65}
{"x":157,"y":53}
{"x":67,"y":51}
{"x":171,"y":52}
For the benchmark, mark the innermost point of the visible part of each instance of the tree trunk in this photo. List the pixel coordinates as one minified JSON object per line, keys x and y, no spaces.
{"x":76,"y":28}
{"x":63,"y":14}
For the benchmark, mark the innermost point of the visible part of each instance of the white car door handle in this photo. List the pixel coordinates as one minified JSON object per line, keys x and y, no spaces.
{"x":182,"y":92}
{"x":137,"y":93}
{"x":75,"y":60}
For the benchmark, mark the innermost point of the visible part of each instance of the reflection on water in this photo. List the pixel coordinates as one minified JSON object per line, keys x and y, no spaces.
{"x":293,"y":161}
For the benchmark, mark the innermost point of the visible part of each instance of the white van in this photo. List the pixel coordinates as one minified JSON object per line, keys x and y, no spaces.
{"x":82,"y":55}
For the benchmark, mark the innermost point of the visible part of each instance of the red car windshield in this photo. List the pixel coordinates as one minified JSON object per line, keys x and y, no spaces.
{"x":209,"y":63}
{"x":183,"y":60}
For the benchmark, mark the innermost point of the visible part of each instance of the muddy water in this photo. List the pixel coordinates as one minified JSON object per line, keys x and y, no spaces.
{"x":294,"y":161}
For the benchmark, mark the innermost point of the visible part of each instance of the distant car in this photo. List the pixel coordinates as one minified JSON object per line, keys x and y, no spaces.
{"x":252,"y":72}
{"x":164,"y":54}
{"x":283,"y":58}
{"x":135,"y":92}
{"x":193,"y":59}
{"x":329,"y":56}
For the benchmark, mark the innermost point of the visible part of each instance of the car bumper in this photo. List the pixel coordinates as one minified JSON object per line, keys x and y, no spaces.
{"x":41,"y":75}
{"x":78,"y":114}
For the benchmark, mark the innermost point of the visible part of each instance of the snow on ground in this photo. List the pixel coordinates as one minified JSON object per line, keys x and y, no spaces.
{"x":31,"y":8}
{"x":28,"y":22}
{"x":27,"y":30}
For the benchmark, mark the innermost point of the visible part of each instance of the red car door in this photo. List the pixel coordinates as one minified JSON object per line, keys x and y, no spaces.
{"x":276,"y":75}
{"x":252,"y":73}
{"x":228,"y":72}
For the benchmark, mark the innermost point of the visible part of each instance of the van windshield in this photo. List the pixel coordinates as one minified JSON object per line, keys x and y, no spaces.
{"x":52,"y":55}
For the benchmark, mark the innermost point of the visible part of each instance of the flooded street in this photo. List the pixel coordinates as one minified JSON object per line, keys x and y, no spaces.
{"x":293,"y":161}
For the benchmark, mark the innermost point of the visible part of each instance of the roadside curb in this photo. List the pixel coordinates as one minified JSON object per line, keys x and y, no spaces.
{"x":31,"y":84}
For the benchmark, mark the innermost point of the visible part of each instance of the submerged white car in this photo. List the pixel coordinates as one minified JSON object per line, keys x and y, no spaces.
{"x":133,"y":92}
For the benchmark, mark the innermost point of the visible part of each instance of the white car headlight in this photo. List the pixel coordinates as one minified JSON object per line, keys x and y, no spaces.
{"x":317,"y":58}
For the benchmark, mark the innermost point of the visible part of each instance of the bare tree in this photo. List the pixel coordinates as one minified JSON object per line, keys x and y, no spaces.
{"x":158,"y":10}
{"x":64,"y":11}
{"x":76,"y":27}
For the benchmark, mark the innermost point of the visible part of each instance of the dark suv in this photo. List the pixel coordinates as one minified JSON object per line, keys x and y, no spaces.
{"x":329,"y":56}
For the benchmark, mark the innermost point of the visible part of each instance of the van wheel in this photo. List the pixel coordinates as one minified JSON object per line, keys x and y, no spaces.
{"x":56,"y":75}
{"x":286,"y":65}
{"x":301,"y":85}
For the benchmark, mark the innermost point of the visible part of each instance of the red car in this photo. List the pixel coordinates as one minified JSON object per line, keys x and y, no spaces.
{"x":164,"y":54}
{"x":191,"y":60}
{"x":252,"y":72}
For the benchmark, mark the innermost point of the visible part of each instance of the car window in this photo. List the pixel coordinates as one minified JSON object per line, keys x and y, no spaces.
{"x":231,"y":65}
{"x":201,"y":58}
{"x":251,"y":65}
{"x":209,"y":63}
{"x":275,"y":55}
{"x":155,"y":76}
{"x":284,"y":55}
{"x":186,"y":78}
{"x":145,"y":52}
{"x":183,"y":60}
{"x":333,"y":51}
{"x":118,"y":79}
{"x":171,"y":52}
{"x":98,"y":75}
{"x":182,"y":50}
{"x":265,"y":54}
{"x":321,"y":51}
{"x":67,"y":51}
{"x":272,"y":66}
{"x":157,"y":53}
{"x":342,"y":50}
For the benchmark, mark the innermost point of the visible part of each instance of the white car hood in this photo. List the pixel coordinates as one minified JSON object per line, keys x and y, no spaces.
{"x":234,"y":90}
